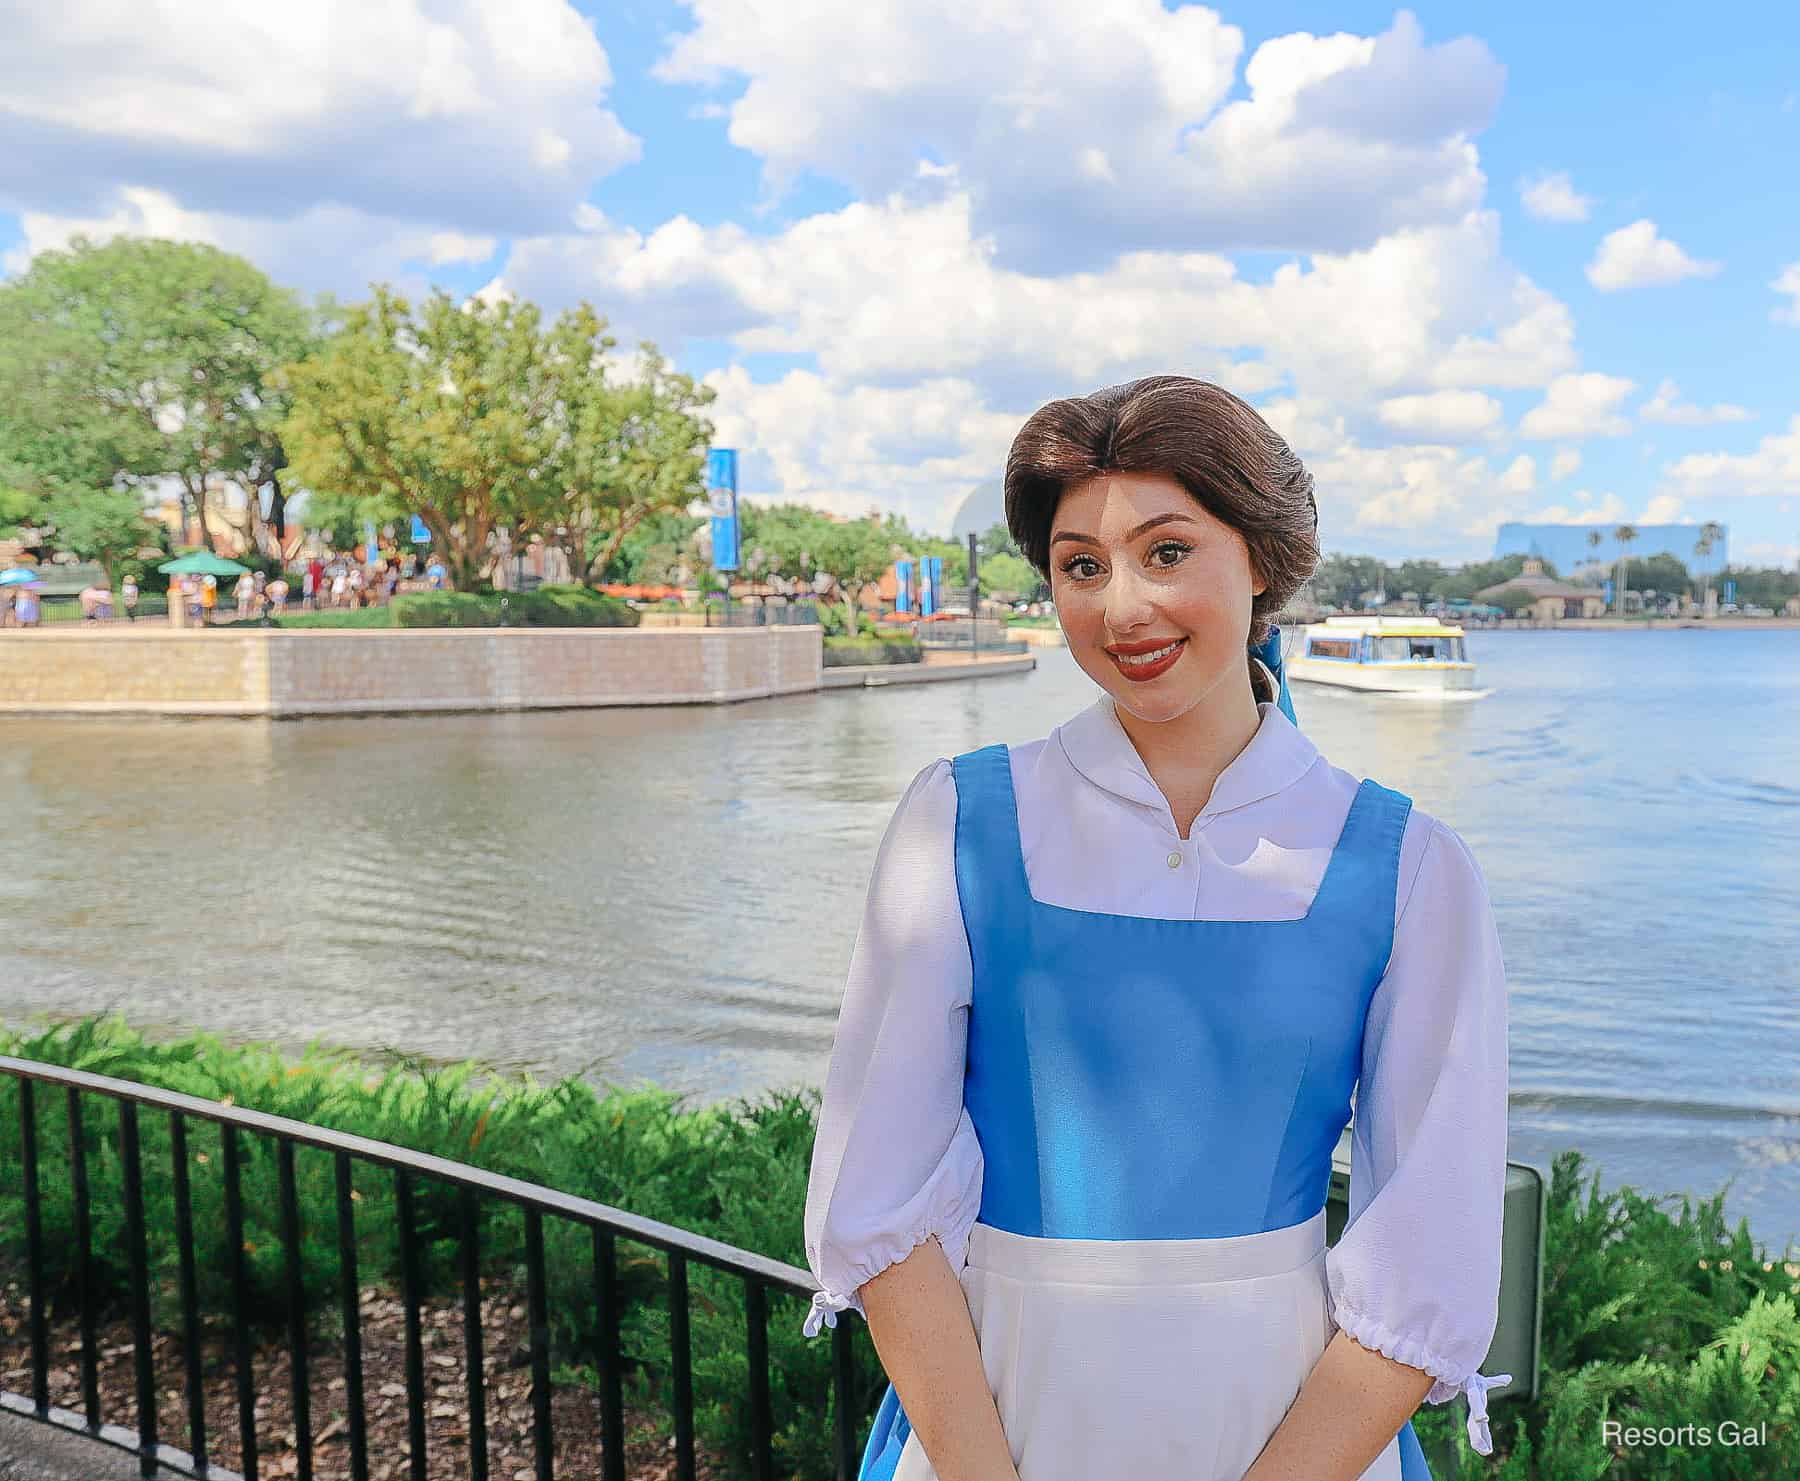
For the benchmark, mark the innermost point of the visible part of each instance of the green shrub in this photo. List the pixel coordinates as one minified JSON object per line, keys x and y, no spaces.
{"x":1650,"y":1317}
{"x":359,"y":617}
{"x":849,"y":652}
{"x":736,"y":1172}
{"x":548,"y":606}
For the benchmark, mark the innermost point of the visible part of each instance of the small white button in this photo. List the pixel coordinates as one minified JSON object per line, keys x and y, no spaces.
{"x":1174,"y":861}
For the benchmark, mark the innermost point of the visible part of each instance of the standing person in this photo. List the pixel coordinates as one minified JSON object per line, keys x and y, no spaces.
{"x":340,"y":585}
{"x":358,"y":585}
{"x":391,"y":580}
{"x":26,"y":607}
{"x":309,"y":584}
{"x":1111,"y":995}
{"x":128,"y":597}
{"x":209,"y":597}
{"x":245,"y":592}
{"x":434,"y":574}
{"x":278,"y":595}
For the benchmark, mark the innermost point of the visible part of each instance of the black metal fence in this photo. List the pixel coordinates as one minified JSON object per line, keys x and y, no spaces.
{"x":754,"y":613}
{"x":410,"y":1170}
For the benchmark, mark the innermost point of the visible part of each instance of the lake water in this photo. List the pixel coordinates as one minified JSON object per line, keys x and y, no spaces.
{"x":672,"y":894}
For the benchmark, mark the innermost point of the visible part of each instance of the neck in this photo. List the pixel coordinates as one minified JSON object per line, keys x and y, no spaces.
{"x":1186,"y":755}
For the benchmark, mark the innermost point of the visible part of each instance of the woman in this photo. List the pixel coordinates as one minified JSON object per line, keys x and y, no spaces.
{"x":1111,"y":996}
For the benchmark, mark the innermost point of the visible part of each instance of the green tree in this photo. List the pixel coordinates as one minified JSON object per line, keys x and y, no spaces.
{"x":1005,"y":575}
{"x":102,"y":525}
{"x":1663,"y":574}
{"x":1624,"y":534}
{"x":855,"y":553}
{"x":142,"y":358}
{"x":448,"y":413}
{"x":1420,"y":577}
{"x":1710,"y":534}
{"x":621,"y":453}
{"x":1342,"y":580}
{"x":658,"y":550}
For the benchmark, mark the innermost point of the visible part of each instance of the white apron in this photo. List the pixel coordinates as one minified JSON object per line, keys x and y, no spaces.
{"x":1092,"y":1348}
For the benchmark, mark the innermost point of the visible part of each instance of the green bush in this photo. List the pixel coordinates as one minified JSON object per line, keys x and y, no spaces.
{"x":1650,"y":1317}
{"x":548,"y":606}
{"x":849,"y":652}
{"x":736,"y":1172}
{"x":361,"y":617}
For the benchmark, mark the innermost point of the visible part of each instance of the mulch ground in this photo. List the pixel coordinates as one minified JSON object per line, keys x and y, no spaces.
{"x":506,"y":1377}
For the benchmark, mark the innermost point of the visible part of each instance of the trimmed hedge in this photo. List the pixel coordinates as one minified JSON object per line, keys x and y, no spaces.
{"x":548,"y":606}
{"x":850,"y":652}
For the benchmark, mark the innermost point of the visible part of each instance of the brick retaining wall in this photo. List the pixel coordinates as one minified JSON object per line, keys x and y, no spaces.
{"x":324,"y":671}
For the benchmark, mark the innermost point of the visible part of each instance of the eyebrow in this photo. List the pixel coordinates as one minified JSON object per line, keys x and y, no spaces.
{"x":1149,"y":524}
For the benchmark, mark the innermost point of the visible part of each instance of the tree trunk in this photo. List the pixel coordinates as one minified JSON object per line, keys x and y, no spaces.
{"x":278,"y":516}
{"x":850,"y":594}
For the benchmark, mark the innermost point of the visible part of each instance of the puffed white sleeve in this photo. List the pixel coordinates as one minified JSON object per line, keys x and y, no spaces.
{"x":896,"y":1159}
{"x":1416,"y":1273}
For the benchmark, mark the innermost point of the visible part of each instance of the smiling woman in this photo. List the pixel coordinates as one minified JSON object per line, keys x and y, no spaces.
{"x":1112,"y":995}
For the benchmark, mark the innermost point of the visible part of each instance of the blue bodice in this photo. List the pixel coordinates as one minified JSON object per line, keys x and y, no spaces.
{"x":1136,"y":1078}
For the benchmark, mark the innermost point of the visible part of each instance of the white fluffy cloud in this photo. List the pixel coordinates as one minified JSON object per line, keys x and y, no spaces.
{"x":1771,"y":471}
{"x":891,"y":291}
{"x":475,"y":116}
{"x":1666,"y":406}
{"x":917,"y":449}
{"x":1076,"y":124}
{"x":1566,"y":462}
{"x":1636,"y":256}
{"x":1578,"y":405}
{"x":1554,"y":197}
{"x":1788,"y":285}
{"x":1448,"y":416}
{"x":1588,"y":509}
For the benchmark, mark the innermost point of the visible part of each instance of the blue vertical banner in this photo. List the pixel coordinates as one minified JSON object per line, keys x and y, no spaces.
{"x":1730,"y":590}
{"x":721,"y":493}
{"x":931,"y":584}
{"x":903,"y":586}
{"x":370,"y":554}
{"x":1609,"y":591}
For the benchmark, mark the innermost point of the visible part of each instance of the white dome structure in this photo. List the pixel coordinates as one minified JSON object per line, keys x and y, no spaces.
{"x":981,"y":508}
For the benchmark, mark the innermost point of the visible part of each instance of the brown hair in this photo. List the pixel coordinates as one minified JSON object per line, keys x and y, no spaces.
{"x":1233,"y":463}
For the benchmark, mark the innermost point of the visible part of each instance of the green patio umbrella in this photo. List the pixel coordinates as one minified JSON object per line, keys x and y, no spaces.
{"x":202,"y":563}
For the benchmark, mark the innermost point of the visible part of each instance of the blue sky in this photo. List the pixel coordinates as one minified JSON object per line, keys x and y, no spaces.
{"x":885,"y":233}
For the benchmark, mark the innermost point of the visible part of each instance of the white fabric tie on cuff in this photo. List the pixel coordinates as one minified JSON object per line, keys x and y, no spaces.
{"x":824,"y":1310}
{"x":1476,"y":1387}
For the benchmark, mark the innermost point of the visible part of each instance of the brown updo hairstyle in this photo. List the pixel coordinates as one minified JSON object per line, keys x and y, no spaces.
{"x":1234,"y":464}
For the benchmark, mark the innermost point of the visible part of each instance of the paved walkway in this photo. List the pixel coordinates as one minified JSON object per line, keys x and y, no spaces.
{"x":30,"y":1451}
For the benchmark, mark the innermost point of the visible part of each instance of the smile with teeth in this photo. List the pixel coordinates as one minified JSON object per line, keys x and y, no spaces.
{"x":1138,"y":660}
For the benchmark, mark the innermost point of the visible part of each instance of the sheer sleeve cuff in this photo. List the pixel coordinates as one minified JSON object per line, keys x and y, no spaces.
{"x":1377,"y":1336}
{"x":827,"y":1303}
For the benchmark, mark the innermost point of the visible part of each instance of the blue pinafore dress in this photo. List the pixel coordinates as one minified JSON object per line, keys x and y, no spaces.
{"x":1157,"y":1102}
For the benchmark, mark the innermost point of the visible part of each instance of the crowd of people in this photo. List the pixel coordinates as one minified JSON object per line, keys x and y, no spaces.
{"x":328,"y":582}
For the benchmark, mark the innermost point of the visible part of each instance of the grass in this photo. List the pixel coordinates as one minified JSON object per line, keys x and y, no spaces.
{"x":1653,"y":1314}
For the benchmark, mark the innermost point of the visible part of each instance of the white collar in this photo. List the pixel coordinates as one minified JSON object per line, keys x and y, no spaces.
{"x":1277,"y":756}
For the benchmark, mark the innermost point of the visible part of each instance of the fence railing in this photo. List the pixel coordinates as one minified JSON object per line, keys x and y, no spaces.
{"x":752,"y":613}
{"x":80,"y":1090}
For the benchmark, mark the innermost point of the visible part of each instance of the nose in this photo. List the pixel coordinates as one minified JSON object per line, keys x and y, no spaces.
{"x":1130,"y":599}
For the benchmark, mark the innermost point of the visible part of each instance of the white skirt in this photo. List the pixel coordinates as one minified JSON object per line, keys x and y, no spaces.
{"x":1113,"y":1360}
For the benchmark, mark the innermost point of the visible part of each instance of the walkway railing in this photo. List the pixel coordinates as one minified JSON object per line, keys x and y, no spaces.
{"x":38,"y":1085}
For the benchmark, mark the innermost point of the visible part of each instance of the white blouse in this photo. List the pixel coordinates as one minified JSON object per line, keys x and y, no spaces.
{"x":1416,"y":1273}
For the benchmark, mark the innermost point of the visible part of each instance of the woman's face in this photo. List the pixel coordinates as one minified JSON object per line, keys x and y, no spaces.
{"x":1137,"y":565}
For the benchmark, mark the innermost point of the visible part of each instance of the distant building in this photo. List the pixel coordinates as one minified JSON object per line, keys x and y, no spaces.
{"x":1551,"y":600}
{"x":981,"y":508}
{"x":1566,"y":546}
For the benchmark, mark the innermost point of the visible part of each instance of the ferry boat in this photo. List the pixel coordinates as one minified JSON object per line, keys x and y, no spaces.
{"x":1414,"y":655}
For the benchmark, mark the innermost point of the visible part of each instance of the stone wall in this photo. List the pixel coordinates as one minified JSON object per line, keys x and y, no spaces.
{"x":322,"y":672}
